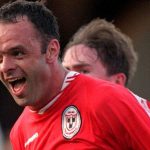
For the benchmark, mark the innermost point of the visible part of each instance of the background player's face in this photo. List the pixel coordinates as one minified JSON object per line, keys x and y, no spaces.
{"x":83,"y":59}
{"x":23,"y":69}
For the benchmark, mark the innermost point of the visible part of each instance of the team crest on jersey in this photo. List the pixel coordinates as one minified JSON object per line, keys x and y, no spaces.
{"x":71,"y":122}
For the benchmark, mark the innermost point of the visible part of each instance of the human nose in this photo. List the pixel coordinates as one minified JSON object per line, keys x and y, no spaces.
{"x":7,"y":64}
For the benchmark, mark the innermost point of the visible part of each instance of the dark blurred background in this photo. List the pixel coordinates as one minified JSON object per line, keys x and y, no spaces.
{"x":131,"y":16}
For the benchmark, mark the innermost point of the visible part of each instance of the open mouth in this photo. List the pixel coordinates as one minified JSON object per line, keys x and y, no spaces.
{"x":17,"y":84}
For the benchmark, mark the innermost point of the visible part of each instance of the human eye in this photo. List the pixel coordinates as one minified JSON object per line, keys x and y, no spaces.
{"x":84,"y":71}
{"x":67,"y":68}
{"x":17,"y":53}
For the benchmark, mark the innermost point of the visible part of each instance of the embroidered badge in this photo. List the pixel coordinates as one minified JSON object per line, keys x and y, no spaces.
{"x":71,"y":122}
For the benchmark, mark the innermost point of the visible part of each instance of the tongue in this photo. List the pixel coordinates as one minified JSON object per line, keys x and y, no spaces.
{"x":17,"y":86}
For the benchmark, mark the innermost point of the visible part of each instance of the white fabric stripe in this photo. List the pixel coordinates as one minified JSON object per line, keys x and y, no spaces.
{"x":142,"y":102}
{"x":68,"y":79}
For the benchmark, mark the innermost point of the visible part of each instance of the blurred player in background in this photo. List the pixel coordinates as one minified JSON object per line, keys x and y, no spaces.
{"x":101,"y":50}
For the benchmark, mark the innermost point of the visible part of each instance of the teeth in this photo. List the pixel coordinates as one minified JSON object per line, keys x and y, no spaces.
{"x":12,"y":80}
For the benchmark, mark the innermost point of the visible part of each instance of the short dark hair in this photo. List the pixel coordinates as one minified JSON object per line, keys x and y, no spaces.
{"x":40,"y":16}
{"x":114,"y":48}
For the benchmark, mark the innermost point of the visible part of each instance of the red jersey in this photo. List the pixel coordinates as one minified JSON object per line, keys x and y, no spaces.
{"x":88,"y":114}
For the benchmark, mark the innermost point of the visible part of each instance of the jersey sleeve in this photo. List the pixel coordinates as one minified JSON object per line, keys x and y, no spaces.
{"x":15,"y":139}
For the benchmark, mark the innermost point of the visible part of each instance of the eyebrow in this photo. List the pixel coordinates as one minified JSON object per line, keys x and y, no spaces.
{"x":13,"y":48}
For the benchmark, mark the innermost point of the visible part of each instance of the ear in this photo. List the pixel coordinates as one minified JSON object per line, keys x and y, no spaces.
{"x":119,"y":78}
{"x":53,"y":49}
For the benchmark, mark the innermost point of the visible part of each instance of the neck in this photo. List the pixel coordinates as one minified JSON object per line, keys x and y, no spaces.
{"x":54,"y":86}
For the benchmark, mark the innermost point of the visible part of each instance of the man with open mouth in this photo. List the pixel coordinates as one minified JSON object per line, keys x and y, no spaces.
{"x":64,"y":110}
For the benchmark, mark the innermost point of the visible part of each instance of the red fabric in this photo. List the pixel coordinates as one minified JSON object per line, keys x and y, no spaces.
{"x":111,"y":119}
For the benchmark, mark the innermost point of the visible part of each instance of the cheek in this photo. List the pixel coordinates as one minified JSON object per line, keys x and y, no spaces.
{"x":36,"y":75}
{"x":42,"y":74}
{"x":35,"y":67}
{"x":99,"y":74}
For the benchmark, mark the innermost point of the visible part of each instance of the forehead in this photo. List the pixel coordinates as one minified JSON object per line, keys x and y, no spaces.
{"x":23,"y":27}
{"x":22,"y":30}
{"x":80,"y":53}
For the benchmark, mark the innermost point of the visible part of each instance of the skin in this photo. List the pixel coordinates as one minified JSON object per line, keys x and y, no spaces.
{"x":29,"y":75}
{"x":84,"y":59}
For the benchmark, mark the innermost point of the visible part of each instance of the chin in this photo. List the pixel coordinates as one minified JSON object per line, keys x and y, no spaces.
{"x":21,"y":102}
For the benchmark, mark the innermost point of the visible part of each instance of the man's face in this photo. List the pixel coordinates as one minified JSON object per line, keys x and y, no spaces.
{"x":23,"y":69}
{"x":83,"y":59}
